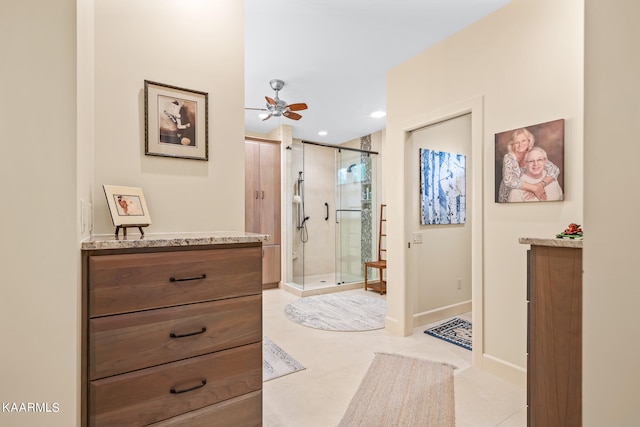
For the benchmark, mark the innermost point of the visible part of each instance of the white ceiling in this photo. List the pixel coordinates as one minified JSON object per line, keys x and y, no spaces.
{"x":334,"y":54}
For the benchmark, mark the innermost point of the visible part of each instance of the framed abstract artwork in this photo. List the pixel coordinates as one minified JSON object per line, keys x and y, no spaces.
{"x":176,"y":122}
{"x":443,"y":194}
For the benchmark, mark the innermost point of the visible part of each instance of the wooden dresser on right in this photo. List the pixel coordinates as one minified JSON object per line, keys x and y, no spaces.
{"x":554,"y":333}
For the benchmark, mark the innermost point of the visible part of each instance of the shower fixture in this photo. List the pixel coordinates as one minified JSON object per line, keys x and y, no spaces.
{"x":298,"y":200}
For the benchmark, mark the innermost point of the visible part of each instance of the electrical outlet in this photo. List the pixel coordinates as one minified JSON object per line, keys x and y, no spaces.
{"x":90,"y":216}
{"x":86,"y":216}
{"x":83,"y":216}
{"x":459,"y":283}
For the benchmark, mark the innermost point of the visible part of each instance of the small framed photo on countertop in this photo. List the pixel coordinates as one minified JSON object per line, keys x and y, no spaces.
{"x":127,"y":206}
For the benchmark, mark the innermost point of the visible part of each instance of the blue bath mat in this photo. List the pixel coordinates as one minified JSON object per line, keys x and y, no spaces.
{"x":455,"y":331}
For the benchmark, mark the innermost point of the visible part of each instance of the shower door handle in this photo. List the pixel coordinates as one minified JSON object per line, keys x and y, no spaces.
{"x":326,"y":217}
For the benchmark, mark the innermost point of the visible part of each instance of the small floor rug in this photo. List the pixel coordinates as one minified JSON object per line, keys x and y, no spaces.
{"x":276,"y":362}
{"x":403,"y":391}
{"x":456,"y":331}
{"x":338,"y":312}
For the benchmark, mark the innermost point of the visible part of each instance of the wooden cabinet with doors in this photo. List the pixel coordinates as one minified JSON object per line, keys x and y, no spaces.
{"x":554,"y":338}
{"x":262,"y":202}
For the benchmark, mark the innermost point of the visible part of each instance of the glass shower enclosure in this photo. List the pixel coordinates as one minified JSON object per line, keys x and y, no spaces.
{"x":332,"y":216}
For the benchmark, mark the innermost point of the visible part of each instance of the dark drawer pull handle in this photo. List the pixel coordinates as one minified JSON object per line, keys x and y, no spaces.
{"x":186,"y":279}
{"x":202,"y":384}
{"x":202,"y":331}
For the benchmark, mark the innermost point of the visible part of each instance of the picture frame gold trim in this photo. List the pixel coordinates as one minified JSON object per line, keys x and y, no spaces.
{"x":176,"y":121}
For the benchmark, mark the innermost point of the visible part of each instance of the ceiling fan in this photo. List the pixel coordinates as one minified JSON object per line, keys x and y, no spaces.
{"x":277,"y":107}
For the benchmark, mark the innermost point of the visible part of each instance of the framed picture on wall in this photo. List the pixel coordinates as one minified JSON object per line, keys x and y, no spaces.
{"x":443,"y":194}
{"x":127,"y":206}
{"x":530,"y":163}
{"x":176,"y":122}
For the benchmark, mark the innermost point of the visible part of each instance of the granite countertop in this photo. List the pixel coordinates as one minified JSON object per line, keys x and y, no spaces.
{"x":561,"y":243}
{"x":111,"y":241}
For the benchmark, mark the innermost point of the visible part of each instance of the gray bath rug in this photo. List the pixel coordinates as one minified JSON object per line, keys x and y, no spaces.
{"x":276,"y":362}
{"x":338,"y":312}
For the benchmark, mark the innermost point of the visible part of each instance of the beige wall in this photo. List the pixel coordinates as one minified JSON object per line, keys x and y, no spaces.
{"x":195,"y":45}
{"x":39,"y":302}
{"x":519,"y":66}
{"x":611,"y":292}
{"x":72,"y":131}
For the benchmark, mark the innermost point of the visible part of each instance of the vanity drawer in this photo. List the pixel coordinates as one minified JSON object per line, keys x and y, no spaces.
{"x":242,"y":411}
{"x":127,"y":342}
{"x":159,"y":393}
{"x":141,"y":281}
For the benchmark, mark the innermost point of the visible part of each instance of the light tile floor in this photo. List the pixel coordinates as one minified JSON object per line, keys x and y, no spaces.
{"x":336,"y":362}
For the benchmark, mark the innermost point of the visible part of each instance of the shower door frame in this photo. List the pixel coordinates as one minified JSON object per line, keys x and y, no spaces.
{"x":367,"y":201}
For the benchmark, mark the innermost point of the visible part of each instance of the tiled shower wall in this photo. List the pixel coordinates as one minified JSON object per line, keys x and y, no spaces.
{"x":367,"y":205}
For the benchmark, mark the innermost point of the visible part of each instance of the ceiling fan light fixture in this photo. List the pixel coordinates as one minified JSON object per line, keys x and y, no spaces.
{"x":378,"y":114}
{"x":276,"y":107}
{"x":323,"y":133}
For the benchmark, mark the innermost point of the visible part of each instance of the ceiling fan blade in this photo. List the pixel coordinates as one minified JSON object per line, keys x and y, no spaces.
{"x":270,"y":101}
{"x":297,"y":107}
{"x":257,"y":109}
{"x":266,"y":118}
{"x":291,"y":115}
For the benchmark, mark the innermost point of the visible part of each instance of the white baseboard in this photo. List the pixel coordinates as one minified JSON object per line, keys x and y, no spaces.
{"x":441,"y":313}
{"x":393,"y":325}
{"x":505,"y":370}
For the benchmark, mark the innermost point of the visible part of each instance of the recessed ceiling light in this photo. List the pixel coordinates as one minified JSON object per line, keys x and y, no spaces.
{"x":323,"y":133}
{"x":378,"y":114}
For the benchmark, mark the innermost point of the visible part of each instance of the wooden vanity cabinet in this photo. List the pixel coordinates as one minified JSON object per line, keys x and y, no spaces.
{"x":172,"y":336}
{"x":554,"y":341}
